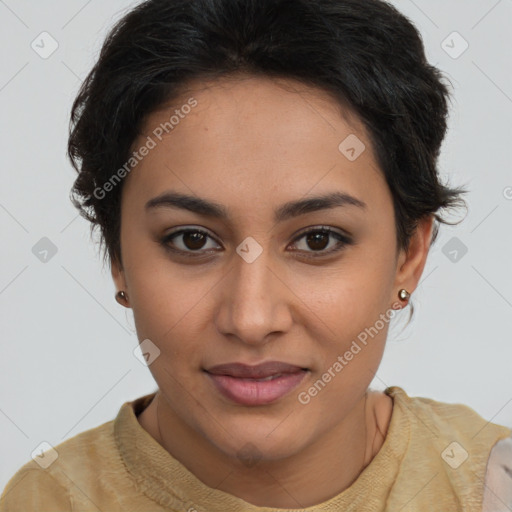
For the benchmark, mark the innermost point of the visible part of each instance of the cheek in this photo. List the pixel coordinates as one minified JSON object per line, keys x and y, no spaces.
{"x":350,"y":298}
{"x":166,"y":310}
{"x":165,"y":319}
{"x":157,"y":294}
{"x":352,"y":348}
{"x":350,"y":315}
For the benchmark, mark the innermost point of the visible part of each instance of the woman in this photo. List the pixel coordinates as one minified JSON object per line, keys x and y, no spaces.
{"x":264,"y":175}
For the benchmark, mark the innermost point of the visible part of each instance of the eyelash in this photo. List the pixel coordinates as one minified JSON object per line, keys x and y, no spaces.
{"x":343,"y":241}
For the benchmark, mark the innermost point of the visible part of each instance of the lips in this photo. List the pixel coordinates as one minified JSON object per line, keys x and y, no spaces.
{"x":260,"y":371}
{"x":256,"y":385}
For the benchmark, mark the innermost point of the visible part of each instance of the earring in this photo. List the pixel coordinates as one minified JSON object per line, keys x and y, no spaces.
{"x":122,"y":298}
{"x":403,"y":294}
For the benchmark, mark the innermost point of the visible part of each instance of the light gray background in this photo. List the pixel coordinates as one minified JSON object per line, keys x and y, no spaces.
{"x":67,"y":360}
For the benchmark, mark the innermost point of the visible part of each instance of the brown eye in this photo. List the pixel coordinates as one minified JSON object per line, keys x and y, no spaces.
{"x":187,"y":241}
{"x":318,"y":240}
{"x":194,"y":240}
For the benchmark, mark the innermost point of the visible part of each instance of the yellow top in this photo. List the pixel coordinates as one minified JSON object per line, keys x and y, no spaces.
{"x":433,"y":458}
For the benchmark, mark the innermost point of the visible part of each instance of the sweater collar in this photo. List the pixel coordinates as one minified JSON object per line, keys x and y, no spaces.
{"x":168,"y":482}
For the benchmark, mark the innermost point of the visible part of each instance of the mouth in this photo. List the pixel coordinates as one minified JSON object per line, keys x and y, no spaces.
{"x":256,"y":385}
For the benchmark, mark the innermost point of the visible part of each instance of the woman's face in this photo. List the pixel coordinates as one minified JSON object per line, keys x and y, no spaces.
{"x":245,"y":283}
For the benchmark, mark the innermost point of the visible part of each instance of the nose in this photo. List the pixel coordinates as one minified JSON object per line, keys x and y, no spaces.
{"x":256,"y":301}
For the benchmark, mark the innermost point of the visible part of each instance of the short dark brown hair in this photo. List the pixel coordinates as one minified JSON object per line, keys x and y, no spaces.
{"x":367,"y":54}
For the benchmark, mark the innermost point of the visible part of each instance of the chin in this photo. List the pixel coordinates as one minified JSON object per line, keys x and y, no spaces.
{"x":263,"y":442}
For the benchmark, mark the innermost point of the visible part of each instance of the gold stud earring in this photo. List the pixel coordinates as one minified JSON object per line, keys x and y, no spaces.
{"x":122,"y":298}
{"x":403,"y":294}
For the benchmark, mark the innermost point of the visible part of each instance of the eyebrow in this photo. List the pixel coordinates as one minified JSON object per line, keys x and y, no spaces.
{"x":284,"y":212}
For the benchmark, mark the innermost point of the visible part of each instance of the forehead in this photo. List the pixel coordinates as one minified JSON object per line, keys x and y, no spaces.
{"x":255,"y":137}
{"x":273,"y":109}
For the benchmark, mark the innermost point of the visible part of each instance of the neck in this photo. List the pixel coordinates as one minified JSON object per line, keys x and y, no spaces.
{"x":336,"y":459}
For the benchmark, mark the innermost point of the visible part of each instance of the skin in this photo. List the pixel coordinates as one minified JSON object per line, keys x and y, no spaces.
{"x":252,"y":144}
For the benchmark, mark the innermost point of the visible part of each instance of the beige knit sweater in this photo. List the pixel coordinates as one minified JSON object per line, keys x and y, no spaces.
{"x":434,"y":458}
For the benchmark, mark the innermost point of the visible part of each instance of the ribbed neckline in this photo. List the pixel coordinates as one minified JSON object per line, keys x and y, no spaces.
{"x":168,"y":482}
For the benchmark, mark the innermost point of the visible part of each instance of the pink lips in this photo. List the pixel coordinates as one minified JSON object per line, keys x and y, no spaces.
{"x":243,"y":384}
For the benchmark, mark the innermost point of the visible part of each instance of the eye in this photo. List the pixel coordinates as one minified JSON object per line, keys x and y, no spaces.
{"x":318,"y":239}
{"x":194,"y":242}
{"x":189,"y":241}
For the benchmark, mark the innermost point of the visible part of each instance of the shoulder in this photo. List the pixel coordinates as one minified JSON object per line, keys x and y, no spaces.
{"x":49,"y":478}
{"x":453,"y":439}
{"x":84,"y":472}
{"x":32,"y":487}
{"x":448,"y":419}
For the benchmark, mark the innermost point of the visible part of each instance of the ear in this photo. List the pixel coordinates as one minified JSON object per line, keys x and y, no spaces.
{"x":411,"y":262}
{"x":118,"y":275}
